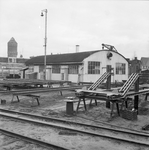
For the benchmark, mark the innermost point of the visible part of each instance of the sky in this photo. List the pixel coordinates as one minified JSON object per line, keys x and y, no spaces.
{"x":87,"y":23}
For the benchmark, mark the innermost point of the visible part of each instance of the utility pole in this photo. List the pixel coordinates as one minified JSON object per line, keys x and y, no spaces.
{"x":45,"y":39}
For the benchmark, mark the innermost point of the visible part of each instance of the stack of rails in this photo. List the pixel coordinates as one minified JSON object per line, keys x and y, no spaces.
{"x":29,"y":82}
{"x":122,"y":92}
{"x":127,"y":85}
{"x":34,"y":93}
{"x":114,"y":97}
{"x":91,"y":93}
{"x":92,"y":89}
{"x":99,"y":81}
{"x":40,"y":90}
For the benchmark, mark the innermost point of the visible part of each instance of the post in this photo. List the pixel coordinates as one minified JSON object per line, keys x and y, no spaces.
{"x":45,"y":41}
{"x":136,"y":97}
{"x":108,"y":83}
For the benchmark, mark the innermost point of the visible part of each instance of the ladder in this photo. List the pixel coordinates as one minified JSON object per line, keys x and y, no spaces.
{"x":99,"y":81}
{"x":127,"y":85}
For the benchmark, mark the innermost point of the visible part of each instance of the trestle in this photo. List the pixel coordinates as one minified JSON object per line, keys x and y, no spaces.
{"x":78,"y":106}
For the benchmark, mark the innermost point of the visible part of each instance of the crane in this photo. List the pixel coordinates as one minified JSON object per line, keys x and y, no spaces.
{"x":109,"y":47}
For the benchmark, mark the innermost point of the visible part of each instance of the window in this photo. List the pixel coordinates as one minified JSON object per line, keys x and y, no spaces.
{"x":10,"y":60}
{"x":93,"y":67}
{"x":14,"y":60}
{"x":41,"y":68}
{"x":56,"y":69}
{"x":120,"y":68}
{"x":73,"y":69}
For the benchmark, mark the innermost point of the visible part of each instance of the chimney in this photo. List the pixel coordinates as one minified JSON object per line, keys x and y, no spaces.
{"x":77,"y":48}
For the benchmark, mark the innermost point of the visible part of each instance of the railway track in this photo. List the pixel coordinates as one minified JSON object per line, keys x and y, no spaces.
{"x":32,"y":140}
{"x":121,"y":135}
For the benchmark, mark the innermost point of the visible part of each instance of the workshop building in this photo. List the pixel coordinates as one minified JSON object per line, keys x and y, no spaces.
{"x":77,"y":67}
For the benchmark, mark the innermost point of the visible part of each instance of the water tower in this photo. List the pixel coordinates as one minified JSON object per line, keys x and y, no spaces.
{"x":12,"y":48}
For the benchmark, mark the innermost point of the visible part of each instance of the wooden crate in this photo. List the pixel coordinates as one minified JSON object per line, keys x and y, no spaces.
{"x":3,"y":101}
{"x":129,"y":114}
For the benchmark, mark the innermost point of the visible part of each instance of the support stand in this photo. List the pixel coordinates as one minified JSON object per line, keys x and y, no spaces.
{"x":136,"y":97}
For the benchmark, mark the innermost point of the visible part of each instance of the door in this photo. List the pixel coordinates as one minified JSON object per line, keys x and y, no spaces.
{"x":62,"y":76}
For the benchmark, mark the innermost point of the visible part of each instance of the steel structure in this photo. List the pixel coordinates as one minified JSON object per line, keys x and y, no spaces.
{"x":109,"y":47}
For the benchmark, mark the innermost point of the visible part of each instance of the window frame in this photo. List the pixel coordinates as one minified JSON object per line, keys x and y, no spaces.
{"x":56,"y":69}
{"x":120,"y":69}
{"x":94,"y":67}
{"x":73,"y":69}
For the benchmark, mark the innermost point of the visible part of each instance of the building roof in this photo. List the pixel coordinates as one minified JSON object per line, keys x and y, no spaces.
{"x":67,"y":58}
{"x":64,"y":59}
{"x":145,"y":61}
{"x":12,"y":40}
{"x":19,"y":60}
{"x":4,"y":59}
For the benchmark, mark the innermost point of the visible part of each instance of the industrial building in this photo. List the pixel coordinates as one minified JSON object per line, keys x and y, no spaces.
{"x":77,"y":67}
{"x":11,"y":66}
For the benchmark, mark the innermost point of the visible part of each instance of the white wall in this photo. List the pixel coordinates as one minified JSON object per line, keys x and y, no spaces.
{"x":64,"y":73}
{"x":81,"y":75}
{"x":56,"y":76}
{"x":101,"y":57}
{"x":48,"y":73}
{"x":36,"y":68}
{"x":73,"y":78}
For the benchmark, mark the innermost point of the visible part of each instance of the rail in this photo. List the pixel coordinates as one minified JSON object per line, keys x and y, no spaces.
{"x":127,"y":85}
{"x":114,"y":133}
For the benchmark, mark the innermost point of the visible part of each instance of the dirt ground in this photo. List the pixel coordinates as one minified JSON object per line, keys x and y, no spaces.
{"x":53,"y":104}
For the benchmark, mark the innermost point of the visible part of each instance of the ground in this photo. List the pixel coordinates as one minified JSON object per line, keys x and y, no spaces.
{"x":53,"y":104}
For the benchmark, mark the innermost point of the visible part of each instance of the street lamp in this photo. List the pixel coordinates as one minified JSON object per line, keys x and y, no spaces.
{"x":45,"y":39}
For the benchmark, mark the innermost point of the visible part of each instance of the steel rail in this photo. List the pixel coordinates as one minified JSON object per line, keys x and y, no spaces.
{"x":41,"y":90}
{"x":132,"y":141}
{"x":99,"y":81}
{"x":32,"y":140}
{"x":135,"y":132}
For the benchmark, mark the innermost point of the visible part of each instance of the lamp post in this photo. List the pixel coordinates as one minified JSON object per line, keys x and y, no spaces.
{"x":45,"y":39}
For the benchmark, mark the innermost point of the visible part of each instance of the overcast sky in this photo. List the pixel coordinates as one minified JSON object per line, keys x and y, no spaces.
{"x":88,"y":23}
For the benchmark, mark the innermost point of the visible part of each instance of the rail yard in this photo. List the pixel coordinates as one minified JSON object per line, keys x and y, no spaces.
{"x":48,"y":123}
{"x":74,"y":75}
